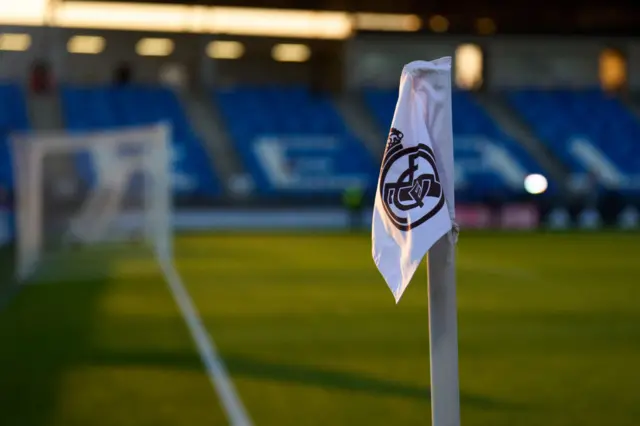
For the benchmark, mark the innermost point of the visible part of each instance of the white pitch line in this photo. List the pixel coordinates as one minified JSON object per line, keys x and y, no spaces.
{"x":231,"y":403}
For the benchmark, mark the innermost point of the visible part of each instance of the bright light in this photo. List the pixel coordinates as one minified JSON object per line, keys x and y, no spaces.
{"x":469,"y":65}
{"x":278,"y":23}
{"x":535,"y":184}
{"x":291,"y":52}
{"x":439,"y":24}
{"x":121,"y":16}
{"x":23,"y":12}
{"x":225,"y":49}
{"x":15,"y":42}
{"x":154,"y":47}
{"x":387,"y":22}
{"x":613,"y":69}
{"x":88,"y":45}
{"x":200,"y":19}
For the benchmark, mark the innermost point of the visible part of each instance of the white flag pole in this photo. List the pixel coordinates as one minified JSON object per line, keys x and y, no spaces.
{"x":443,"y":333}
{"x":443,"y":310}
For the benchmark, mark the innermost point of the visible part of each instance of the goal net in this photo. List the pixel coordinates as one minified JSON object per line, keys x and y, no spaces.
{"x":86,"y":201}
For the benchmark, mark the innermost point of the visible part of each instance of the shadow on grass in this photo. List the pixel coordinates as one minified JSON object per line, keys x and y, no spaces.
{"x":44,"y":330}
{"x":8,"y":287}
{"x":243,"y":366}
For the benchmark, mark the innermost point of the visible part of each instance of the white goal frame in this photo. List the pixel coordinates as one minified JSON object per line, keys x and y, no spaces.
{"x":29,"y":151}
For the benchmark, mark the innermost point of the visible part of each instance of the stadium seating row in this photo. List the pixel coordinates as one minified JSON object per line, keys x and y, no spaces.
{"x":560,"y":117}
{"x":291,"y":140}
{"x":95,"y":108}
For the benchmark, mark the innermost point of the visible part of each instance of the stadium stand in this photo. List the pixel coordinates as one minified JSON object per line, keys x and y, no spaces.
{"x":293,"y":141}
{"x":97,"y":108}
{"x":13,"y":117}
{"x":487,"y":160}
{"x":559,"y":117}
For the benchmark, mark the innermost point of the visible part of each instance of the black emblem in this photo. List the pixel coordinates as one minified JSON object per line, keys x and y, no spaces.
{"x":395,"y":138}
{"x":409,"y":183}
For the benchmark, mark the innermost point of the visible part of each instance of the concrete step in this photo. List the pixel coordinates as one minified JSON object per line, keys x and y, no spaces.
{"x":209,"y":125}
{"x":357,"y":118}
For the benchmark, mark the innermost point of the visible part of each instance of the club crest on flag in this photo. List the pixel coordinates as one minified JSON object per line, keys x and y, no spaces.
{"x":410,"y":188}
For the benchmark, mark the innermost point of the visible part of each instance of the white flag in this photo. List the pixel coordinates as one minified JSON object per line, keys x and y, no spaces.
{"x":414,"y":201}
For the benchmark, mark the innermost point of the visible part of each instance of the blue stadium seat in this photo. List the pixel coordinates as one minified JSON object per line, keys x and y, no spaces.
{"x":558,"y":116}
{"x":296,"y":135}
{"x":106,"y":107}
{"x":476,"y":139}
{"x":13,"y":117}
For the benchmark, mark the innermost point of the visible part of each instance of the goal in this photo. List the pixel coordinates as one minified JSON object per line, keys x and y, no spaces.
{"x":85,"y":200}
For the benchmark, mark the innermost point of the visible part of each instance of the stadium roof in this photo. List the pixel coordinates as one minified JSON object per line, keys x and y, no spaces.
{"x":588,"y":16}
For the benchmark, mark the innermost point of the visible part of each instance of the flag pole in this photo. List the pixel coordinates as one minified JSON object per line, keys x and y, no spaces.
{"x":443,"y":309}
{"x":443,"y":332}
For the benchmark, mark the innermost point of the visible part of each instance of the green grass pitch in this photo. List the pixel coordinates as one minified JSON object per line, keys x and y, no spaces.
{"x":549,"y":335}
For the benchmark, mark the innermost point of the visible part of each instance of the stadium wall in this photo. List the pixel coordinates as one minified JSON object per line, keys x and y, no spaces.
{"x":510,"y":216}
{"x":508,"y":61}
{"x":367,"y":59}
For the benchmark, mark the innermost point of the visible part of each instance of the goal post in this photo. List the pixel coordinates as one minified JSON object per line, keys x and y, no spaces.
{"x":79,"y":194}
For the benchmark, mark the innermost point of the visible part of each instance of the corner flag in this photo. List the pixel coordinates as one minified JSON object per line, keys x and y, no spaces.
{"x":414,"y":214}
{"x":414,"y":200}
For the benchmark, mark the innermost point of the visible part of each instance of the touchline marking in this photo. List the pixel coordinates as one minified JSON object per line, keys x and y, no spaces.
{"x":231,"y":403}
